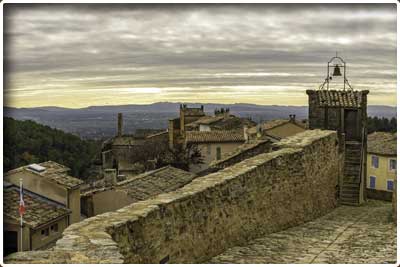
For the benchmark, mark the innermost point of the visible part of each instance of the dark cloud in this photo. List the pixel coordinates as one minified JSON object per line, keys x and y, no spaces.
{"x":50,"y":47}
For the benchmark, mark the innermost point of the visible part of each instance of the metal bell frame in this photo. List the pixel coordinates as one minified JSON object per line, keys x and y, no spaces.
{"x":336,"y":72}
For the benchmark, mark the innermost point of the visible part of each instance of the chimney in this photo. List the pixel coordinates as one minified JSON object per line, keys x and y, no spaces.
{"x":110,"y":177}
{"x":119,"y":124}
{"x":226,"y":113}
{"x":246,"y":136}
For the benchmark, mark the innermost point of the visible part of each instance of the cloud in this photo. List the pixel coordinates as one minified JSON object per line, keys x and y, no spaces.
{"x":89,"y":47}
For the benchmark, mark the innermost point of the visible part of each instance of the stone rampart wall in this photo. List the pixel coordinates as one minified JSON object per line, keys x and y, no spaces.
{"x":263,"y":194}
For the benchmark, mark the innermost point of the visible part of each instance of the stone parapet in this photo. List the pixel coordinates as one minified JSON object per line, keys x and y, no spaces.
{"x":263,"y":194}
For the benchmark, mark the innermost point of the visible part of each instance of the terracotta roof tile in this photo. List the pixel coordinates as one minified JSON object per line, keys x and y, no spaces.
{"x":54,"y":171}
{"x":127,"y":141}
{"x":151,"y":183}
{"x":38,"y":210}
{"x":214,"y":136}
{"x":382,"y":143}
{"x":159,"y":181}
{"x":338,"y":98}
{"x":272,"y":124}
{"x":221,"y":122}
{"x":193,"y":111}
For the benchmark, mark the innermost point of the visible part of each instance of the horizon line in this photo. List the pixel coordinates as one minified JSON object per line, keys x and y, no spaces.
{"x":159,"y":102}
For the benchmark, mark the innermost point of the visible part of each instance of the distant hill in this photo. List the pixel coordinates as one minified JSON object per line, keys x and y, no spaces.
{"x":27,"y":142}
{"x":100,"y":121}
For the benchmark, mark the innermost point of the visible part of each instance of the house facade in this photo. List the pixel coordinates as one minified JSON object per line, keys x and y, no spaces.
{"x":275,"y":130}
{"x":381,"y":165}
{"x":43,"y":222}
{"x":213,"y":145}
{"x":52,"y":202}
{"x":111,"y":195}
{"x":52,"y":181}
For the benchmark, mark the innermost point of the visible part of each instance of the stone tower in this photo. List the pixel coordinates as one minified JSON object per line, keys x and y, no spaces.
{"x":188,"y":115}
{"x":344,"y":111}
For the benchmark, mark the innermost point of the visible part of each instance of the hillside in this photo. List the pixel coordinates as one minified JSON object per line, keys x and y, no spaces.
{"x":98,"y":122}
{"x":28,"y":142}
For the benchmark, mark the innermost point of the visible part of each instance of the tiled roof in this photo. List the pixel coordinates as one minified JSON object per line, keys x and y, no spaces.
{"x":38,"y":210}
{"x":221,"y":122}
{"x":265,"y":126}
{"x":157,"y":135}
{"x":214,"y":136}
{"x":163,"y":180}
{"x":152,"y":183}
{"x":193,"y":111}
{"x":206,"y":120}
{"x":382,"y":143}
{"x":127,"y":141}
{"x":336,"y":98}
{"x":54,"y":172}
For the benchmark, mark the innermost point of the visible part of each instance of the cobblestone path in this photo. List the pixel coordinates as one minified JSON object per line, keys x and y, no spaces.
{"x":348,"y":234}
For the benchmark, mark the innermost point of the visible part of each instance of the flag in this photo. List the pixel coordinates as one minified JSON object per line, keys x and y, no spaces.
{"x":21,"y":201}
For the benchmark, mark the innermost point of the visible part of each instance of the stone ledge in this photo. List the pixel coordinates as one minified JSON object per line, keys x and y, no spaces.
{"x":303,"y":139}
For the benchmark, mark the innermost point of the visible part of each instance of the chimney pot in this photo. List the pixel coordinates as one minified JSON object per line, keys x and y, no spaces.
{"x":119,"y":132}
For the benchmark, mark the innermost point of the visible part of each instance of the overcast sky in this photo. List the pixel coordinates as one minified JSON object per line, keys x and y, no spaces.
{"x":79,"y":55}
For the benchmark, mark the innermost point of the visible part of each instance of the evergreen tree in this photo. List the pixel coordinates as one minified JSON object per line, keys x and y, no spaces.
{"x":27,"y":142}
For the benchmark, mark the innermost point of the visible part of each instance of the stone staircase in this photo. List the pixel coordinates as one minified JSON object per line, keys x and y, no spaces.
{"x":350,"y":190}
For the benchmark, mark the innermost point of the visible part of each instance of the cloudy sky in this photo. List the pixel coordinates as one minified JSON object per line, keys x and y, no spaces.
{"x":81,"y":55}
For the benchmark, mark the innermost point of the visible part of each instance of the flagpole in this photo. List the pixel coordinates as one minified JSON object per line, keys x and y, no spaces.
{"x":20,"y":214}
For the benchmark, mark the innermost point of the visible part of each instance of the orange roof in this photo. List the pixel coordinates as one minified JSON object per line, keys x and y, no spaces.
{"x":214,"y":136}
{"x":338,"y":98}
{"x":38,"y":210}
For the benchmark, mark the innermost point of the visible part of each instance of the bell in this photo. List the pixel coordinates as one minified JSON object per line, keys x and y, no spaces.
{"x":336,"y":71}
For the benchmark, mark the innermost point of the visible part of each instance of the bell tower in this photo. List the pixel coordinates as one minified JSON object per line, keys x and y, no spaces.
{"x":344,"y":111}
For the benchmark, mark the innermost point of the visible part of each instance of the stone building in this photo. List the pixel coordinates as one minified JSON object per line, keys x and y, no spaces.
{"x":344,"y":111}
{"x":194,"y":119}
{"x":212,"y":145}
{"x":275,"y":130}
{"x":52,"y":201}
{"x":123,"y":152}
{"x":111,"y":194}
{"x":222,"y":120}
{"x":381,"y":165}
{"x":212,"y":136}
{"x":43,"y":221}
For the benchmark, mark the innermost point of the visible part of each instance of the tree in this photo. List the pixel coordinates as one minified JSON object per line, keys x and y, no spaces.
{"x":156,"y":153}
{"x":376,"y":124}
{"x":185,"y":155}
{"x":27,"y":142}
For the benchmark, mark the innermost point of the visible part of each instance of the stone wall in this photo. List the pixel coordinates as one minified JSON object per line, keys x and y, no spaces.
{"x":379,"y":194}
{"x":394,"y":202}
{"x":263,"y":194}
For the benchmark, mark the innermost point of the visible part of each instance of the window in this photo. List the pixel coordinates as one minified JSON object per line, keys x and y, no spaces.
{"x":392,"y":165}
{"x":45,"y":232}
{"x":54,"y":228}
{"x":218,"y":153}
{"x":375,"y":162}
{"x":389,"y":185}
{"x":372,"y":182}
